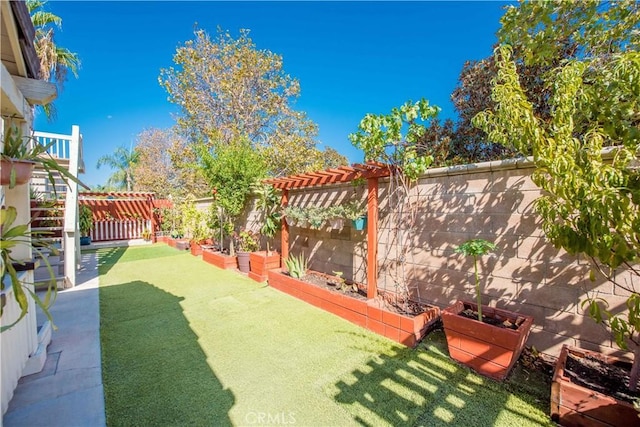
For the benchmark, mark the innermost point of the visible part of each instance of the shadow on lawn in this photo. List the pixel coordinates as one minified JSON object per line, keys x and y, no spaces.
{"x":424,"y":386}
{"x":154,"y":370}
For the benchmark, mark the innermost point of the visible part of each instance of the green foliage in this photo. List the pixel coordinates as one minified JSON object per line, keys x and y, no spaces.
{"x":248,"y":241}
{"x":268,"y":202}
{"x":14,"y":236}
{"x":353,"y":210}
{"x":27,"y":148}
{"x":296,"y":266}
{"x":293,"y":214}
{"x":591,"y":203}
{"x":381,"y":137}
{"x":123,"y":161}
{"x":316,"y":216}
{"x":85,"y":220}
{"x":227,"y":89}
{"x":231,"y":170}
{"x":476,"y":248}
{"x":193,"y":221}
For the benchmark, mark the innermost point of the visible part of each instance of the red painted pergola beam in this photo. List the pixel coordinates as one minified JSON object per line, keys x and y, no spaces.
{"x":372,"y":171}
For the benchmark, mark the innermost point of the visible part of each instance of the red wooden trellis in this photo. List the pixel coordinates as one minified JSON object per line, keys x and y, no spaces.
{"x":371,"y":171}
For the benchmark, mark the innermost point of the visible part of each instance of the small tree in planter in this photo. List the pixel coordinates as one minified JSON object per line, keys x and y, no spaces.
{"x":268,"y":201}
{"x":503,"y":332}
{"x":85,"y":224}
{"x":476,"y":248}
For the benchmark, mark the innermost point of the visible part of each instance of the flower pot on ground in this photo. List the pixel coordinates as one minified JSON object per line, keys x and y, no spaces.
{"x":489,"y":349}
{"x":574,"y":404}
{"x":247,"y":242}
{"x":85,"y":224}
{"x":260,"y":262}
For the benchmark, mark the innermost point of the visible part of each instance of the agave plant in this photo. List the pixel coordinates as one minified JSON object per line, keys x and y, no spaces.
{"x":297,"y":266}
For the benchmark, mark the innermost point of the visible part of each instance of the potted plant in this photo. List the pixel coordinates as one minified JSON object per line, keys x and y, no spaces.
{"x":21,"y":154}
{"x":247,"y":242}
{"x":316,"y":217}
{"x":14,"y":236}
{"x":85,"y":224}
{"x":293,"y":215}
{"x":268,"y":202}
{"x":486,"y":339}
{"x":357,"y":214}
{"x":335,"y":215}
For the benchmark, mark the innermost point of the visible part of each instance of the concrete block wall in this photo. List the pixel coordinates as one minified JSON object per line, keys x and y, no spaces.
{"x":494,"y":201}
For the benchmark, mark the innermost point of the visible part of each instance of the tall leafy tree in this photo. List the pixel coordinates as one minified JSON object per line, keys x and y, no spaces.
{"x":559,"y":31}
{"x":55,"y":61}
{"x":123,"y":160}
{"x":227,"y":89}
{"x":590,"y":203}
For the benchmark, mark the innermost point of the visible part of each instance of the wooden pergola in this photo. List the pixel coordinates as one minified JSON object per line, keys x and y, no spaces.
{"x":371,"y":171}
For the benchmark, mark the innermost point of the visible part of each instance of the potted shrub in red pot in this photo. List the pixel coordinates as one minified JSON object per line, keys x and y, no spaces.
{"x":486,"y":339}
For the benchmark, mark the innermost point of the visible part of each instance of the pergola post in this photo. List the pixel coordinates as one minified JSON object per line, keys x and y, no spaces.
{"x":372,"y":238}
{"x":284,"y":237}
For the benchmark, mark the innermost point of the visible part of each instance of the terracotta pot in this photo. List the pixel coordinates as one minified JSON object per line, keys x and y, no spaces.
{"x":260,"y":263}
{"x":220,"y":260}
{"x":489,"y":350}
{"x":575,"y":405}
{"x":22,"y":168}
{"x":407,"y":330}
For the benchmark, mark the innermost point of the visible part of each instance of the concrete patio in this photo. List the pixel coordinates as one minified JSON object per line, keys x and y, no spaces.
{"x":68,"y":391}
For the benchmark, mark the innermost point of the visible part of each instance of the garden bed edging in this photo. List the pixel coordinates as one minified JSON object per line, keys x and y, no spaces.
{"x":406,"y":330}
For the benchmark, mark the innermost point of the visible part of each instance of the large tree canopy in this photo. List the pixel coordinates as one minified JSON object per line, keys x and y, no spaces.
{"x":227,"y":90}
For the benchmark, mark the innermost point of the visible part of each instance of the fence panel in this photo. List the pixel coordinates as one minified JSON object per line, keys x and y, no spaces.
{"x":119,"y":229}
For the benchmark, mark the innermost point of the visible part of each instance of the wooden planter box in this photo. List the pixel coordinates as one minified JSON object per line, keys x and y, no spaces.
{"x":487,"y":349}
{"x":575,"y":405}
{"x":407,"y":330}
{"x":220,"y":260}
{"x":260,"y":263}
{"x":196,"y":249}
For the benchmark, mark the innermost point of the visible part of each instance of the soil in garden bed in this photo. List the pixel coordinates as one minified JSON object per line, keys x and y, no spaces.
{"x":359,"y":291}
{"x":498,"y":321}
{"x":332,"y":283}
{"x":608,"y":379}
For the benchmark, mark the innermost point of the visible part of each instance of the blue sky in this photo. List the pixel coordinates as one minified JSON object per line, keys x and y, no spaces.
{"x":351,"y":58}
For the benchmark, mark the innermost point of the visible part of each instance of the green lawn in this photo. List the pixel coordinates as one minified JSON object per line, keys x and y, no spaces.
{"x":184,"y":342}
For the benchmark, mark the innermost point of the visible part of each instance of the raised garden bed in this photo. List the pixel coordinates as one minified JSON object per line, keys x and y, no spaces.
{"x":219,"y":259}
{"x":575,"y":404}
{"x":260,"y":263}
{"x":370,"y":314}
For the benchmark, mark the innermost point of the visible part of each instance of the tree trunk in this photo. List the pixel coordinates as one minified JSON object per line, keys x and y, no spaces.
{"x":635,"y":369}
